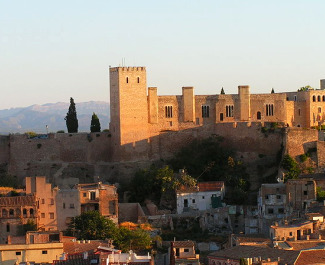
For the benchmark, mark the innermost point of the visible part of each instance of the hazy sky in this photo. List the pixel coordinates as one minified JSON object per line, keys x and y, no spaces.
{"x":53,"y":50}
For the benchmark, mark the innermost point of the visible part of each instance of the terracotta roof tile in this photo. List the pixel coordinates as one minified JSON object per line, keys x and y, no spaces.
{"x":75,"y":247}
{"x":308,"y":257}
{"x":183,"y":244}
{"x":211,"y":186}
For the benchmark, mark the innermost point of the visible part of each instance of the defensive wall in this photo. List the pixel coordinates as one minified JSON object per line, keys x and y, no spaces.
{"x":65,"y":158}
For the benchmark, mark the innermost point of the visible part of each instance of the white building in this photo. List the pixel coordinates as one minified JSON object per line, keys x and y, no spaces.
{"x":205,"y":196}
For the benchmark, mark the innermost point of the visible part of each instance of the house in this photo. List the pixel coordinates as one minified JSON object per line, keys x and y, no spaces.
{"x":293,"y":231}
{"x":34,"y":247}
{"x":205,"y":196}
{"x":183,"y":253}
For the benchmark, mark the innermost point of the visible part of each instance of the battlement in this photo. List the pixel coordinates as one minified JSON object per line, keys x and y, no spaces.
{"x":128,"y":69}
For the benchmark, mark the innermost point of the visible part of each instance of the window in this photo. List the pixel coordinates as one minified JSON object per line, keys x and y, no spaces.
{"x":168,"y":111}
{"x":186,"y":250}
{"x":71,"y":205}
{"x":84,"y":194}
{"x":31,"y":212}
{"x":52,"y":201}
{"x":205,"y":111}
{"x":197,"y":121}
{"x":44,"y":251}
{"x":266,"y":197}
{"x":138,"y":80}
{"x":318,"y":98}
{"x":11,"y":213}
{"x":203,"y":197}
{"x":270,"y":211}
{"x":42,"y":215}
{"x":221,"y":116}
{"x":193,"y":200}
{"x":305,"y":192}
{"x":127,"y":80}
{"x":24,"y":212}
{"x":319,"y":110}
{"x":51,"y":215}
{"x":269,"y":110}
{"x":92,"y":196}
{"x":43,"y":201}
{"x":230,"y":111}
{"x":8,"y":227}
{"x":18,"y":253}
{"x":258,"y":115}
{"x":290,"y":234}
{"x":63,"y":205}
{"x":295,"y":98}
{"x":281,"y":211}
{"x":278,"y":197}
{"x":314,"y":98}
{"x":323,"y":98}
{"x":299,"y":112}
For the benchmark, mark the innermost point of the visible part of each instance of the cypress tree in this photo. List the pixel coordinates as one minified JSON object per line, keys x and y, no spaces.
{"x":272,"y":91}
{"x":222,"y":91}
{"x":95,"y":124}
{"x":71,"y":118}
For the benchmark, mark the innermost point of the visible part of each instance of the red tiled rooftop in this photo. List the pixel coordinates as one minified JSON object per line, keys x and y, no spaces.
{"x":308,"y":257}
{"x":211,"y":186}
{"x":76,"y":247}
{"x":183,"y":244}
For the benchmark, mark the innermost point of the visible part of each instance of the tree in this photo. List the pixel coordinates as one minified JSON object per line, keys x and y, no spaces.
{"x":305,"y":88}
{"x":137,"y":239}
{"x":29,"y":226}
{"x":71,"y":118}
{"x":291,"y":166}
{"x":222,"y":91}
{"x":92,"y":225}
{"x":272,"y":91}
{"x":95,"y":124}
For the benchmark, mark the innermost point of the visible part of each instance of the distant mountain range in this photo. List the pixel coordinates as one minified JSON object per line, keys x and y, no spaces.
{"x":36,"y":117}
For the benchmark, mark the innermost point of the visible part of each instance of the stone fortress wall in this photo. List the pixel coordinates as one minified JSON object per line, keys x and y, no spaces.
{"x":146,"y":127}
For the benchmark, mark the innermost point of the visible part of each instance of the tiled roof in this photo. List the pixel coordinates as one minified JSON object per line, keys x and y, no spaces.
{"x":211,"y":185}
{"x":257,"y":238}
{"x":306,"y":244}
{"x":265,"y":252}
{"x":75,"y":247}
{"x":183,"y":244}
{"x":28,"y":200}
{"x":308,"y":257}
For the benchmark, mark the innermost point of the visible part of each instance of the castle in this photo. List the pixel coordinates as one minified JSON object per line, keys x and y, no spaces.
{"x":138,"y":113}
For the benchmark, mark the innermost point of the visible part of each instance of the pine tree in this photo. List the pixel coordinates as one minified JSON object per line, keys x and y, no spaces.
{"x":272,"y":91}
{"x":71,"y":118}
{"x":95,"y":124}
{"x":222,"y":91}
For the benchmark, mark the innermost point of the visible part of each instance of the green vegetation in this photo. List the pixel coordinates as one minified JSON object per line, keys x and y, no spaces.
{"x":71,"y":118}
{"x":156,"y":181}
{"x":60,"y":131}
{"x":305,"y":88}
{"x":31,"y":134}
{"x":29,"y":226}
{"x":8,"y":180}
{"x":320,"y":194}
{"x":272,"y":91}
{"x":222,"y":92}
{"x":91,"y":225}
{"x":291,"y":166}
{"x":95,"y":124}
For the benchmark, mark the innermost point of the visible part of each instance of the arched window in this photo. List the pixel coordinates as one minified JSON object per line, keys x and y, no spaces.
{"x":168,"y":111}
{"x":314,"y":98}
{"x":138,"y":79}
{"x":127,"y":80}
{"x":323,"y":98}
{"x":258,"y":115}
{"x":4,"y":213}
{"x":205,"y":111}
{"x":8,"y":227}
{"x":319,"y":110}
{"x":31,"y":212}
{"x":18,"y":212}
{"x":24,"y":213}
{"x":11,"y":213}
{"x":318,"y":98}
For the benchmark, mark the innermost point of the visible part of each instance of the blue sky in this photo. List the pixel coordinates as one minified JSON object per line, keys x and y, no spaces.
{"x":53,"y":50}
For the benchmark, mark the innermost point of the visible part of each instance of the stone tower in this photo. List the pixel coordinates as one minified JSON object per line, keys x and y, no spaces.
{"x":128,"y":105}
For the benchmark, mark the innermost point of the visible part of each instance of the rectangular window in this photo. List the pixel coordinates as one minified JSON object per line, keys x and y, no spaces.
{"x":270,"y":211}
{"x":269,"y":109}
{"x":266,"y":197}
{"x":305,"y":192}
{"x":44,"y":251}
{"x":278,"y":197}
{"x":193,"y":201}
{"x":186,"y":250}
{"x":230,"y":111}
{"x":290,"y":234}
{"x":51,"y":215}
{"x":197,"y":121}
{"x":84,"y":194}
{"x":281,"y":211}
{"x":43,"y":201}
{"x":52,"y":201}
{"x":92,"y":195}
{"x":18,"y":253}
{"x":71,"y":205}
{"x":168,"y":111}
{"x":205,"y":111}
{"x":63,"y":205}
{"x":42,"y":215}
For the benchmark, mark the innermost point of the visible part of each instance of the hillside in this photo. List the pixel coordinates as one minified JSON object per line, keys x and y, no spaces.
{"x":36,"y":117}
